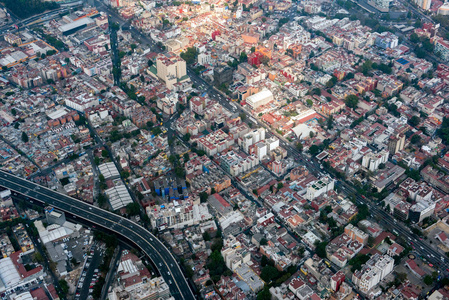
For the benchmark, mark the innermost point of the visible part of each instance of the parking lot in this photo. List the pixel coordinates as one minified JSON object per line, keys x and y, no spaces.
{"x":90,"y":273}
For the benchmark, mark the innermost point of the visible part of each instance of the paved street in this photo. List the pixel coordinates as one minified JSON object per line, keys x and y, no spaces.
{"x":149,"y":244}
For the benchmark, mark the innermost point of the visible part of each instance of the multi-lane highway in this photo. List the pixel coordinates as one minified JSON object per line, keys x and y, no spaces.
{"x":149,"y":244}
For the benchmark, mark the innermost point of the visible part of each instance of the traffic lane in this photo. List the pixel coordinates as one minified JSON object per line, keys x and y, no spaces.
{"x":32,"y":190}
{"x":405,"y":232}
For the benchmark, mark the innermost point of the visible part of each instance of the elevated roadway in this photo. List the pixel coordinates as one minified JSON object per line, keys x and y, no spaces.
{"x":136,"y":234}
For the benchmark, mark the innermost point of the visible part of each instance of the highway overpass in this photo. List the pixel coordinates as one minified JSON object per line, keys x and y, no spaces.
{"x":147,"y":242}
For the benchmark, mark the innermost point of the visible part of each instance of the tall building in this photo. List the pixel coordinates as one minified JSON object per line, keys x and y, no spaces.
{"x":319,"y":187}
{"x":396,"y":143}
{"x":442,"y":47}
{"x":375,"y":269}
{"x":424,"y":4}
{"x":356,"y":234}
{"x":223,"y":75}
{"x":420,"y":210}
{"x":170,"y":68}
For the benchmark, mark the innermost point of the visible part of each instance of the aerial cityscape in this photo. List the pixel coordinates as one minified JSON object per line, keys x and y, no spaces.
{"x":247,"y":149}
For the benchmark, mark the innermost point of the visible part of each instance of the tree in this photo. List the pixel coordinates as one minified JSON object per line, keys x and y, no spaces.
{"x":314,"y":150}
{"x":64,"y":286}
{"x":366,"y":67}
{"x":206,"y":236}
{"x":415,"y":139}
{"x":186,"y":137}
{"x":13,"y":112}
{"x":330,"y":122}
{"x":299,"y":146}
{"x":351,"y":101}
{"x":264,"y":294}
{"x":101,"y":200}
{"x":263,"y":242}
{"x":331,"y":82}
{"x":150,"y":63}
{"x":428,"y":280}
{"x":97,"y":160}
{"x":320,"y":249}
{"x":269,"y":273}
{"x":133,"y":209}
{"x":358,"y":261}
{"x":253,"y":49}
{"x":26,"y":8}
{"x":414,"y":38}
{"x":203,"y":197}
{"x":124,"y":174}
{"x":280,"y":185}
{"x":243,"y":57}
{"x":24,"y":137}
{"x":189,"y":55}
{"x":309,"y":102}
{"x":414,"y":121}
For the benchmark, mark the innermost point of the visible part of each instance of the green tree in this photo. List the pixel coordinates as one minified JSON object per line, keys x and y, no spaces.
{"x":186,"y":137}
{"x":253,"y":49}
{"x":314,"y":150}
{"x":206,"y":236}
{"x":264,"y":294}
{"x":243,"y":57}
{"x":428,"y":280}
{"x":416,"y":139}
{"x":133,"y":209}
{"x":366,"y":67}
{"x":269,"y":273}
{"x":309,"y":102}
{"x":414,"y":38}
{"x":414,"y":121}
{"x":189,"y":55}
{"x":320,"y":249}
{"x":64,"y":286}
{"x":263,"y":242}
{"x":203,"y":197}
{"x":25,"y":137}
{"x":351,"y":101}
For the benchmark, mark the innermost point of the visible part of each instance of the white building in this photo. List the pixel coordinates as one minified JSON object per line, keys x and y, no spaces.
{"x":272,"y":143}
{"x":375,"y":269}
{"x":259,"y":99}
{"x":178,"y":214}
{"x":9,"y":275}
{"x":82,"y":102}
{"x":252,"y":138}
{"x":372,"y":160}
{"x":421,"y":210}
{"x":319,"y":187}
{"x":204,"y":58}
